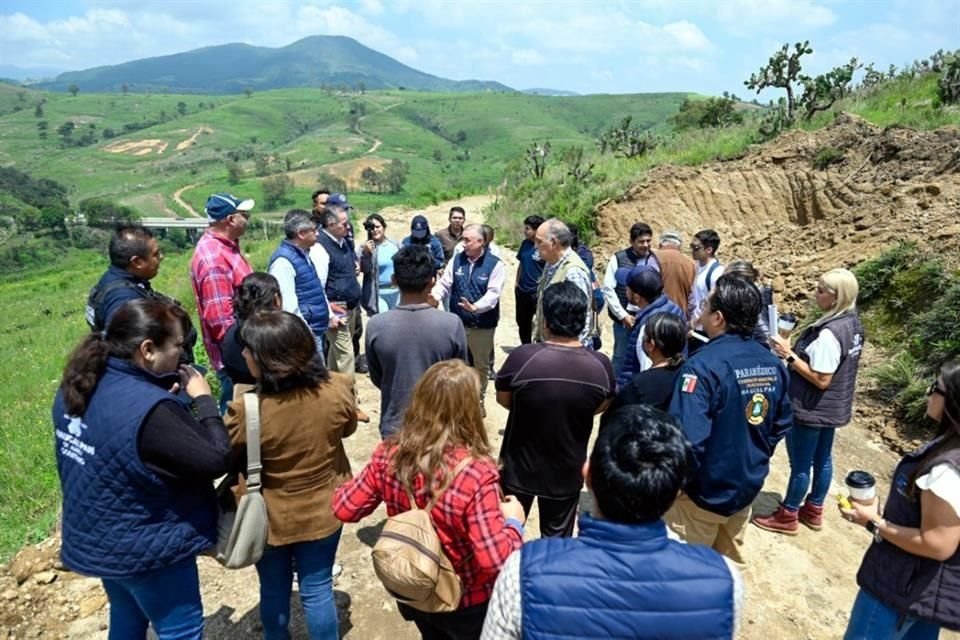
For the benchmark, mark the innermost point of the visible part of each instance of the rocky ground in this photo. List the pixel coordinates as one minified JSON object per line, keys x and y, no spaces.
{"x":771,"y":206}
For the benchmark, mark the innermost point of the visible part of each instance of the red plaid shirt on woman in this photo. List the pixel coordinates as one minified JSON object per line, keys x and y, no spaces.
{"x":216,"y":271}
{"x":467,"y":518}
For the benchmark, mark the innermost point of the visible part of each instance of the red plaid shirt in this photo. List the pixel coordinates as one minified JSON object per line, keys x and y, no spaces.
{"x":467,"y":518}
{"x":216,"y":271}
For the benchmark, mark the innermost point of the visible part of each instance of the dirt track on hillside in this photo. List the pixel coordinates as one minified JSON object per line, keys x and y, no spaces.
{"x":772,"y":207}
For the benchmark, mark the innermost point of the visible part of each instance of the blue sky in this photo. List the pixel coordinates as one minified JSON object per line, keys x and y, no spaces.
{"x":588,"y":47}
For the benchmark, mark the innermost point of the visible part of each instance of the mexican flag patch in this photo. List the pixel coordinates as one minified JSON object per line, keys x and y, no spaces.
{"x":689,"y":383}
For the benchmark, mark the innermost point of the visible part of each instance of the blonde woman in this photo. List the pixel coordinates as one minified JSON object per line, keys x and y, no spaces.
{"x":478,"y":532}
{"x":823,"y":365}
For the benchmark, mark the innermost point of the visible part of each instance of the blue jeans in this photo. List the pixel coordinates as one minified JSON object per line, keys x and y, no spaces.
{"x":313,"y":562}
{"x":873,"y":620}
{"x":168,"y":598}
{"x":621,"y":336}
{"x":809,"y":447}
{"x":226,"y":390}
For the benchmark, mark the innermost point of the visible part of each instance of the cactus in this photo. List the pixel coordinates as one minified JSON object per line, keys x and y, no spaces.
{"x":948,"y":87}
{"x":781,"y":71}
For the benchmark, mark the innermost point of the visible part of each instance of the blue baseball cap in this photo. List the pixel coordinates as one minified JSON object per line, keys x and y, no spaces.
{"x":640,"y":277}
{"x":221,"y":205}
{"x":419,"y":227}
{"x":337,"y":200}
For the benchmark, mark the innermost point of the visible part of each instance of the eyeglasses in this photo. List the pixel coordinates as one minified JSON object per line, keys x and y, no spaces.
{"x":696,"y":247}
{"x":245,"y":214}
{"x":936,"y":388}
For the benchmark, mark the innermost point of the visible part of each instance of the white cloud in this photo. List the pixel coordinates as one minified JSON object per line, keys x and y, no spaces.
{"x":688,"y":36}
{"x":371,"y":7}
{"x":527,"y":57}
{"x":747,"y":18}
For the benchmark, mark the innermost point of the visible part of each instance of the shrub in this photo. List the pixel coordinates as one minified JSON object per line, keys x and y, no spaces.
{"x":828,"y":156}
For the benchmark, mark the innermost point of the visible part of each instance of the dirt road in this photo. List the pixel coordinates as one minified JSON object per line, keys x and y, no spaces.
{"x":799,"y":587}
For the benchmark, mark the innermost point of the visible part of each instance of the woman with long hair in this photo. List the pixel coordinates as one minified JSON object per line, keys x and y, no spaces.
{"x":380,"y":293}
{"x":137,"y":468}
{"x":305,"y":412}
{"x":744,"y":269}
{"x":823,"y":377}
{"x":443,"y":427}
{"x":910,"y":576}
{"x":665,"y":338}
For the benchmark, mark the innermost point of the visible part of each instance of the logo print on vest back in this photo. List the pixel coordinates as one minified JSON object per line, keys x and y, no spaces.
{"x":757,"y":408}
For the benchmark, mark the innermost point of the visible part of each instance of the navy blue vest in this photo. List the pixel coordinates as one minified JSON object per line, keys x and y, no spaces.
{"x":623,"y":581}
{"x":917,"y":587}
{"x":342,"y":285}
{"x":310,"y":296}
{"x":631,"y":362}
{"x":119,"y":518}
{"x":627,"y":259}
{"x":472,"y":284}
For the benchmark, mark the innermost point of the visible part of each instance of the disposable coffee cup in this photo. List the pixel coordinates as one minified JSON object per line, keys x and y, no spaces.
{"x":786,"y":323}
{"x":862,"y":486}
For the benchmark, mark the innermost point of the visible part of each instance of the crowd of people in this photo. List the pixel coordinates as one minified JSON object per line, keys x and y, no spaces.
{"x":701,"y":388}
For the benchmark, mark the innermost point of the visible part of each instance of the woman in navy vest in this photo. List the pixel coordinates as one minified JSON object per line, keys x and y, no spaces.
{"x":823,"y":368}
{"x":910,"y":576}
{"x":305,"y":412}
{"x":137,"y":468}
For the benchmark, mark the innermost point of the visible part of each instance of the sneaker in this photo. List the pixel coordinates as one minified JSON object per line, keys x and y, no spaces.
{"x":811,"y":515}
{"x":782,"y":520}
{"x":337,"y":570}
{"x":360,"y":365}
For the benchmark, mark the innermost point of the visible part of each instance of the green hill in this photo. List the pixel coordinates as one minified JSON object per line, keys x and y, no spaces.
{"x":315,"y":61}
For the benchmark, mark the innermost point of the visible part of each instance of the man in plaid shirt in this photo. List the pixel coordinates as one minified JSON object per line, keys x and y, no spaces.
{"x":216,"y":271}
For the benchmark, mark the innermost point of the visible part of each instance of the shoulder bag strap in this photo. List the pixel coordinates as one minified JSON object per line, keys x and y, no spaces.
{"x":453,"y":476}
{"x":251,"y":405}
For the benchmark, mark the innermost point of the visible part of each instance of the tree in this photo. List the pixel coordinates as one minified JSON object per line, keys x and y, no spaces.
{"x":781,"y":71}
{"x":248,"y":91}
{"x":536,"y":156}
{"x":182,"y":108}
{"x":234,"y":171}
{"x":38,"y":111}
{"x":42,"y":126}
{"x":262,"y":165}
{"x":275,"y":190}
{"x":125,"y":88}
{"x":460,"y":137}
{"x":73,"y":89}
{"x":703,"y":114}
{"x":371,"y":178}
{"x":66,"y":132}
{"x":394,"y":176}
{"x":100,"y":212}
{"x":821,"y":92}
{"x":331,"y":182}
{"x":627,"y":140}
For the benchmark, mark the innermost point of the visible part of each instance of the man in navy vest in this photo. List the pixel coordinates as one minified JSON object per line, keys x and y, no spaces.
{"x":337,"y":269}
{"x":621,"y":311}
{"x":300,"y":287}
{"x":474,"y":281}
{"x":732,"y":402}
{"x":623,"y":577}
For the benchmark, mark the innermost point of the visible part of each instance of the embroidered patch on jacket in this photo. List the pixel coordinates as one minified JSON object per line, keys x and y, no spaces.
{"x":689,"y":383}
{"x":757,"y":408}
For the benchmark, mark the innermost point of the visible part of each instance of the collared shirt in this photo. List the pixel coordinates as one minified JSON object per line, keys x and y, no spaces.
{"x":286,"y":276}
{"x":494,"y":286}
{"x":321,"y":259}
{"x":472,"y":530}
{"x":216,"y":271}
{"x":610,"y":284}
{"x":582,"y":280}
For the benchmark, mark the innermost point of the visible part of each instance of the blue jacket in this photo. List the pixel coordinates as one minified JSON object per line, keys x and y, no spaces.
{"x":472,"y":283}
{"x":310,"y":295}
{"x":436,"y":250}
{"x":623,"y":581}
{"x":119,"y":518}
{"x":342,"y":285}
{"x":631,"y":362}
{"x":733,"y":405}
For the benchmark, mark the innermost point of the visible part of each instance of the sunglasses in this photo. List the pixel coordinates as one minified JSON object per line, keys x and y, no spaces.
{"x":696,"y":247}
{"x":936,"y":388}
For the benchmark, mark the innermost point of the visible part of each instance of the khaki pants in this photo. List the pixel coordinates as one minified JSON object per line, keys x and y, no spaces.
{"x":695,"y":525}
{"x":480,"y":344}
{"x":340,"y":357}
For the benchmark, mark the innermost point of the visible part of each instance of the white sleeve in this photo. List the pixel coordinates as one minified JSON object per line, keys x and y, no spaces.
{"x":825,"y":353}
{"x":286,"y":276}
{"x":503,"y":613}
{"x":645,"y":362}
{"x":609,"y":289}
{"x":442,"y":287}
{"x":321,"y":262}
{"x":944,"y":481}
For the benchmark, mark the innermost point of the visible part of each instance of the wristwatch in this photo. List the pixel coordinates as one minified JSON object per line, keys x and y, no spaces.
{"x":791,"y":359}
{"x":874,"y":528}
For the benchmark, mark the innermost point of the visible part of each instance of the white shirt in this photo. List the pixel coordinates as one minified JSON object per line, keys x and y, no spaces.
{"x":488,"y":300}
{"x":283,"y":270}
{"x":645,"y":362}
{"x":700,"y":290}
{"x":944,"y":481}
{"x":321,"y":259}
{"x":825,"y":352}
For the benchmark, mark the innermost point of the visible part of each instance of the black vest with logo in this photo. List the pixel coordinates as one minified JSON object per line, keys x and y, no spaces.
{"x":916,"y":587}
{"x":342,"y":285}
{"x":833,"y":406}
{"x":470,"y":281}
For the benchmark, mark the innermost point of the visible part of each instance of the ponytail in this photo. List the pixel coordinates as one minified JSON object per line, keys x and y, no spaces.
{"x":84,"y":369}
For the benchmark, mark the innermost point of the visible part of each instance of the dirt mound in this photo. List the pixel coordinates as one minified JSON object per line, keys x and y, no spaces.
{"x":137,"y":147}
{"x":189,"y":142}
{"x":796,"y":221}
{"x":348,"y":170}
